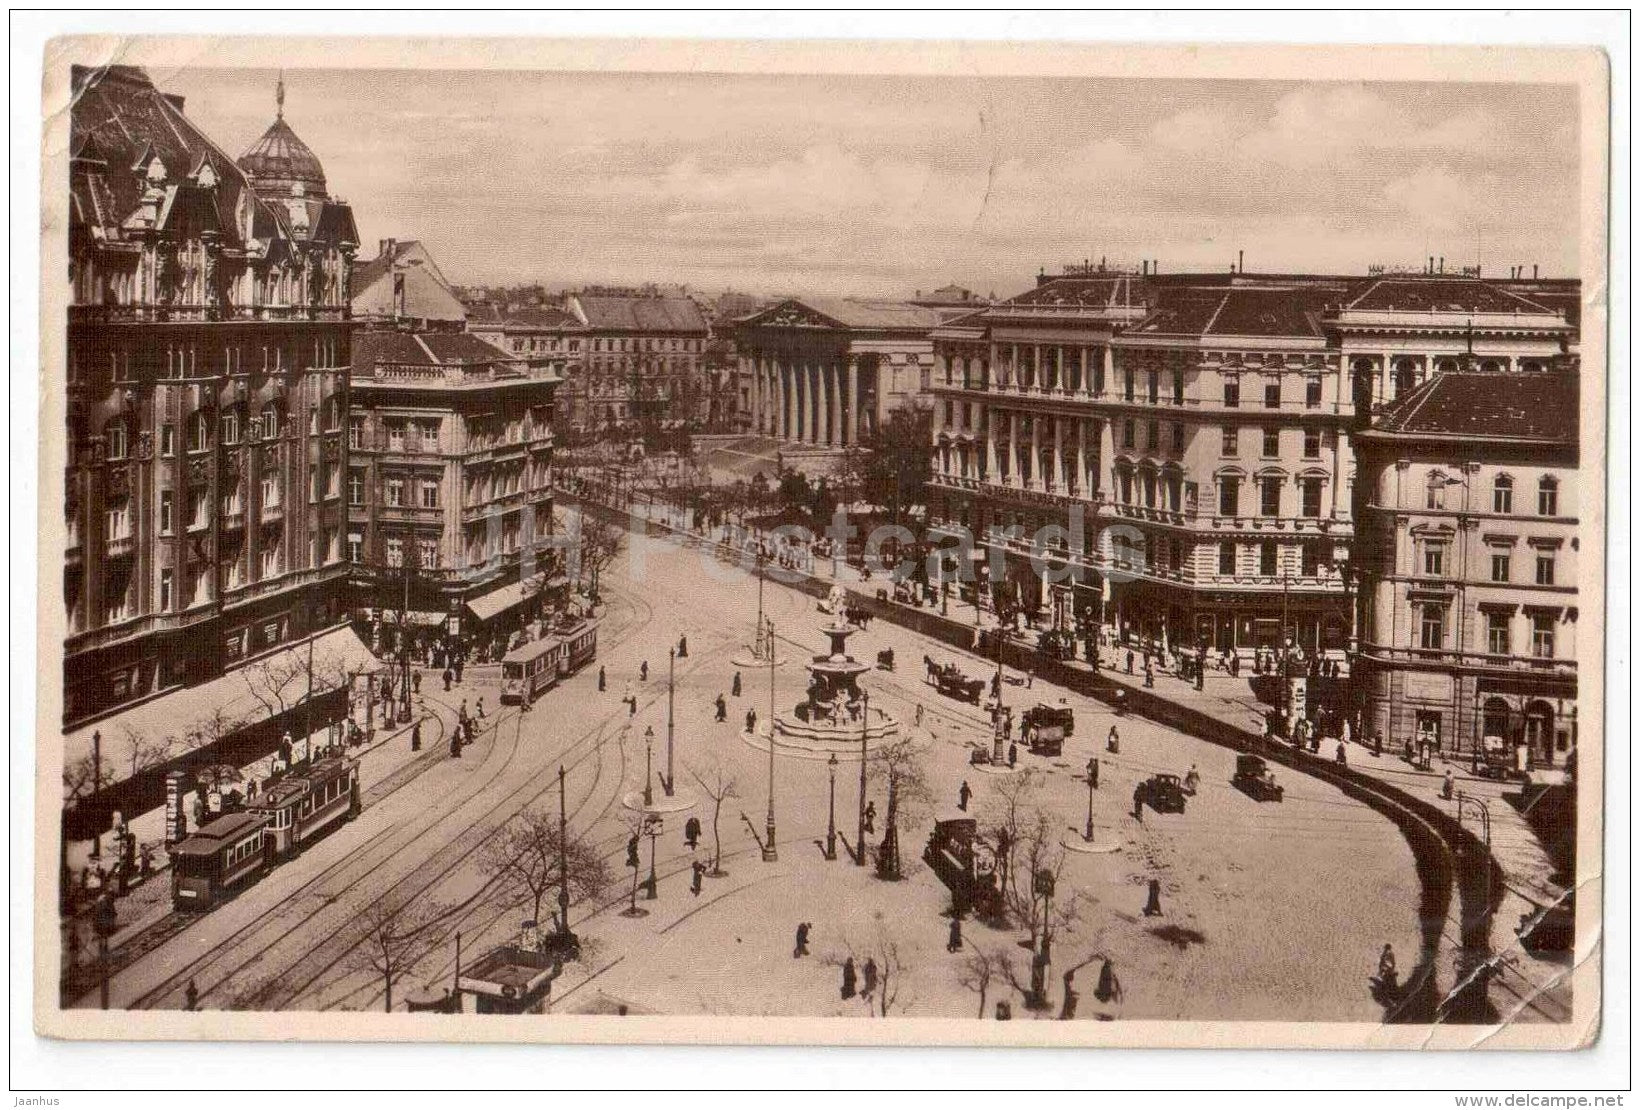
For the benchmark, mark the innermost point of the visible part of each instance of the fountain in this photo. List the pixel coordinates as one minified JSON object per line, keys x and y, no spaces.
{"x":835,"y":713}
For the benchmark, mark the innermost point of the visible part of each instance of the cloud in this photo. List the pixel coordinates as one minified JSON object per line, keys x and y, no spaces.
{"x":1440,"y":200}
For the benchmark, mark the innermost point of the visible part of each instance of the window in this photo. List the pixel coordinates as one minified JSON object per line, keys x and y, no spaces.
{"x":1543,"y":635}
{"x":1548,"y":497}
{"x":167,"y":512}
{"x":355,"y":547}
{"x":197,"y":506}
{"x":230,"y":426}
{"x":395,"y":436}
{"x":1500,"y":566}
{"x":1312,"y":393}
{"x":1310,"y":489}
{"x":427,"y":554}
{"x":1227,"y":558}
{"x":429,"y":496}
{"x":1153,"y":386}
{"x":1178,"y":439}
{"x":1269,"y":500}
{"x":1312,"y":443}
{"x":1178,"y":387}
{"x":1432,"y":627}
{"x":355,"y":433}
{"x":270,"y":422}
{"x":1435,"y":559}
{"x":167,"y":440}
{"x":115,"y":435}
{"x":1229,"y":446}
{"x":1153,"y":433}
{"x":270,"y":490}
{"x":1497,"y":633}
{"x":1435,"y":498}
{"x":355,"y":487}
{"x":167,"y":586}
{"x":1310,"y":560}
{"x":1232,"y":392}
{"x":1503,"y":494}
{"x":395,"y":551}
{"x":1127,"y":434}
{"x":1267,"y":554}
{"x":395,"y":492}
{"x":1272,"y":393}
{"x":1270,"y":443}
{"x":333,"y":415}
{"x":1229,"y":495}
{"x":270,"y":560}
{"x":1127,"y":384}
{"x":119,"y":519}
{"x":1546,"y":568}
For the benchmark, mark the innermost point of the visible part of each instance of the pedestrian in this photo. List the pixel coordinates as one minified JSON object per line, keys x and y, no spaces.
{"x":869,"y":975}
{"x":963,"y":795}
{"x":1446,"y":784}
{"x":1388,"y":978}
{"x":953,"y":941}
{"x":848,"y":979}
{"x":1139,"y":803}
{"x":415,"y":683}
{"x":602,"y":680}
{"x":802,"y":946}
{"x":734,"y":690}
{"x":1067,"y":1010}
{"x":455,"y":745}
{"x":190,"y":997}
{"x":871,"y":817}
{"x":461,"y":711}
{"x":699,"y":869}
{"x":415,"y":737}
{"x":1130,"y":661}
{"x":683,"y":647}
{"x":460,"y":666}
{"x":1339,"y":754}
{"x":919,"y":714}
{"x":472,"y":730}
{"x":1377,"y":743}
{"x":481,"y":708}
{"x":1013,"y":754}
{"x":448,"y":676}
{"x":751,"y":720}
{"x":1113,"y":742}
{"x":1110,"y":987}
{"x":1150,"y":675}
{"x":691,"y":832}
{"x":643,"y":671}
{"x":1153,"y":906}
{"x":1030,"y":677}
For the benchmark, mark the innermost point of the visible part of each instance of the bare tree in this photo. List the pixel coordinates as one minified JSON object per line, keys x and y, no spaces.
{"x":718,"y":781}
{"x":83,"y":777}
{"x":395,"y":938}
{"x":1007,"y":814}
{"x":143,"y":751}
{"x":978,"y":972}
{"x":523,"y":861}
{"x":898,"y":765}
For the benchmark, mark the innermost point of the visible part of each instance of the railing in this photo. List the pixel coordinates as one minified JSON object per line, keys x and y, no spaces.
{"x":1561,"y":668}
{"x":191,"y":313}
{"x":117,"y":547}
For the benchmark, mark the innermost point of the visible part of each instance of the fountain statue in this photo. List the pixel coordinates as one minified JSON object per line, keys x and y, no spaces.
{"x":835,"y":713}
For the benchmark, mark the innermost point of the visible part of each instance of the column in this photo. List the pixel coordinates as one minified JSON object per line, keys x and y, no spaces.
{"x":1107,"y":452}
{"x":1109,"y":368}
{"x":853,"y":399}
{"x":991,"y":417}
{"x":1013,"y":448}
{"x":1341,"y":452}
{"x":834,"y":393}
{"x":787,"y":398}
{"x":1036,"y":452}
{"x":819,"y":403}
{"x":1058,"y":451}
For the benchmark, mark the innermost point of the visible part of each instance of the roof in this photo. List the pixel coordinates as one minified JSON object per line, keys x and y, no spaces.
{"x":373,"y":347}
{"x":851,"y":313}
{"x":520,"y":316}
{"x":1287,"y":313}
{"x":426,"y":295}
{"x":639,"y":313}
{"x":209,"y":837}
{"x":281,"y":160}
{"x":1491,"y":406}
{"x":1440,"y":294}
{"x":1113,"y":291}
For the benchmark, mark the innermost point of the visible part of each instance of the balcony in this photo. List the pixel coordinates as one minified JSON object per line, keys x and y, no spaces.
{"x":198,"y":313}
{"x":120,"y":547}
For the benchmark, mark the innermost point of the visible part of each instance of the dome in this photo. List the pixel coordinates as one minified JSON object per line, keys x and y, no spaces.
{"x":279,"y":161}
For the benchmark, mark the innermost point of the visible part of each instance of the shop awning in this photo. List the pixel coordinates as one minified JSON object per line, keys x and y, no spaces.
{"x":420,"y":617}
{"x":192,"y":717}
{"x":496,"y":602}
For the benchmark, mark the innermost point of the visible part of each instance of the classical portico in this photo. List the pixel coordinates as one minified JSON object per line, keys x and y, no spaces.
{"x":823,"y":372}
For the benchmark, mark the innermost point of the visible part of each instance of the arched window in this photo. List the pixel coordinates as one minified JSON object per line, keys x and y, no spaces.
{"x":1548,"y":496}
{"x":114,"y":435}
{"x":1495,"y":718}
{"x":1491,"y":366}
{"x":1503,"y":494}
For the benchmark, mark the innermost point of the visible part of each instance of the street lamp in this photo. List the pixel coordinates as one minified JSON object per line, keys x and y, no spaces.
{"x":648,"y":773}
{"x":770,"y":855}
{"x":831,"y":809}
{"x":1093,"y":784}
{"x":652,"y":826}
{"x":671,"y":666}
{"x":865,"y":732}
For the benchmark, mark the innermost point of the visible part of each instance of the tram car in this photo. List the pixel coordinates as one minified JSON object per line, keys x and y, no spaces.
{"x":580,"y":640}
{"x":529,"y":671}
{"x":1045,"y":728}
{"x":961,"y":859}
{"x":303,"y":807}
{"x":219,"y":857}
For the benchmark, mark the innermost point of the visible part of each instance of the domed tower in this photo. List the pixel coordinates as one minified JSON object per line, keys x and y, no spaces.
{"x":280,"y":165}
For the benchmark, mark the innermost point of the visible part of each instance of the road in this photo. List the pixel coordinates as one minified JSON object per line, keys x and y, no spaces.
{"x":1271,"y":911}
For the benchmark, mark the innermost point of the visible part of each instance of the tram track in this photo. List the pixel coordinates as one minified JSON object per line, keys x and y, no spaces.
{"x":633,"y":623}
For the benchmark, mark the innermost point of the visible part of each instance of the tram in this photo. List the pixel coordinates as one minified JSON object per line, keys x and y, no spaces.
{"x":303,"y":807}
{"x":580,"y":640}
{"x":219,"y":856}
{"x":529,"y":671}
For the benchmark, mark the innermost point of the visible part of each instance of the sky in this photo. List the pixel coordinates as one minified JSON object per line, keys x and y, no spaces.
{"x":881,"y":186}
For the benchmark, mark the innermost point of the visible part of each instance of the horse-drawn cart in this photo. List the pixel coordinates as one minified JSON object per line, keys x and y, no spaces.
{"x":950,"y":681}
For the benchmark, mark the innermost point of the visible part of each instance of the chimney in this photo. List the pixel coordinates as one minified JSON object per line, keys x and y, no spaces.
{"x":1534,"y":271}
{"x":1241,"y":263}
{"x":1442,"y":265}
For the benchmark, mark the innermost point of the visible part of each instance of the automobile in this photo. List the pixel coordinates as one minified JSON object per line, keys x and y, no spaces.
{"x":1046,"y":727}
{"x":1548,"y":929}
{"x":1165,"y":793}
{"x":1254,"y":779}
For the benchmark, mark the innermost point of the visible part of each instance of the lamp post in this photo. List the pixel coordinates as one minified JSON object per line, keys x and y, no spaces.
{"x":566,"y":939}
{"x":1093,"y":784}
{"x":648,"y":773}
{"x":770,"y":855}
{"x":860,"y":834}
{"x":831,"y":809}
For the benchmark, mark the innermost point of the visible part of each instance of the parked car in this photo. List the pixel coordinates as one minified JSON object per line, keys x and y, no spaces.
{"x":1165,"y":793}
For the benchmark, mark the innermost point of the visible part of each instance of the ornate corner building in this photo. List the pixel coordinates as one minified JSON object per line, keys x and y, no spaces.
{"x":208,"y":353}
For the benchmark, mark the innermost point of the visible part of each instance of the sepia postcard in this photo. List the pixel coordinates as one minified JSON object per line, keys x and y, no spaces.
{"x":822,"y":543}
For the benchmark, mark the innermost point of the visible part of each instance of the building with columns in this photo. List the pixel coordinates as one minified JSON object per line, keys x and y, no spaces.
{"x":1468,"y":540}
{"x":451,"y":476}
{"x":824,"y":371}
{"x":1200,"y":427}
{"x":208,"y":345}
